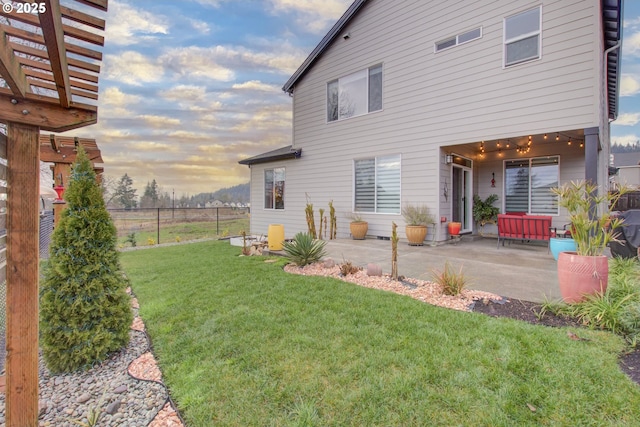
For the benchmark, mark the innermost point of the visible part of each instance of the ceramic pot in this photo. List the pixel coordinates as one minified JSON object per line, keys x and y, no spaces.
{"x":416,"y":234}
{"x":580,"y":275}
{"x":454,"y":228}
{"x":359,"y":229}
{"x":557,"y":245}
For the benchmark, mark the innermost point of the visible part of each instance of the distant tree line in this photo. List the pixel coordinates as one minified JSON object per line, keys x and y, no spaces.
{"x":625,"y":148}
{"x":120,"y":194}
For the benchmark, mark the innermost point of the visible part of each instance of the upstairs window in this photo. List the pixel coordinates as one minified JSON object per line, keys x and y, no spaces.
{"x":459,"y":39}
{"x":354,"y":95}
{"x":274,"y":188}
{"x":522,"y":35}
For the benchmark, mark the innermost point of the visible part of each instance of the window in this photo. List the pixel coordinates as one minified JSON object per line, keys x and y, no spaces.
{"x":274,"y":188}
{"x":377,"y":185}
{"x":528,"y":184}
{"x":354,"y":95}
{"x":522,"y":37}
{"x":459,"y":39}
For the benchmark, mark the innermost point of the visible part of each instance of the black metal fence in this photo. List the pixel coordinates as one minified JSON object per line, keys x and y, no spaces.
{"x":138,"y":227}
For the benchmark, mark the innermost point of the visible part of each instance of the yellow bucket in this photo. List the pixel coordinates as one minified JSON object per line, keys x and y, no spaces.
{"x":275,"y":237}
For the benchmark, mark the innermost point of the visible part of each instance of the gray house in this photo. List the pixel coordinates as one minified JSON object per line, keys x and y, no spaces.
{"x":431,"y":102}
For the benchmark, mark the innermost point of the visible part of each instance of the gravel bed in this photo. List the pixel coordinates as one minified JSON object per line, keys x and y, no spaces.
{"x":422,"y":290}
{"x":66,"y":399}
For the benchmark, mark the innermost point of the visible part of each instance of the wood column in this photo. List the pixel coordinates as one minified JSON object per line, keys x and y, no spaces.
{"x":23,"y":194}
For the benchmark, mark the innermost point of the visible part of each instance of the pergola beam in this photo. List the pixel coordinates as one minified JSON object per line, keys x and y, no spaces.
{"x":53,"y":33}
{"x":98,"y":4}
{"x":39,"y":111}
{"x":10,"y":69}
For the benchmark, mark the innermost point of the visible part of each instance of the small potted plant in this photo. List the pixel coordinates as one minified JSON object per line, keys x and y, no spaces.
{"x":416,"y":217}
{"x":586,"y":271}
{"x":484,"y":212}
{"x":358,"y":226}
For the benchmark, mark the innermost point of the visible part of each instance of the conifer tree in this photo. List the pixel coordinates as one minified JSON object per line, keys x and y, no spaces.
{"x":85,"y":312}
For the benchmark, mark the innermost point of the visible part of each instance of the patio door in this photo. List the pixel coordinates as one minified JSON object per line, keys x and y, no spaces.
{"x":462,"y":194}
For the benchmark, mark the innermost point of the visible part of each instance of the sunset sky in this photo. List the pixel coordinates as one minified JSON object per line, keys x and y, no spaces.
{"x":190,"y":87}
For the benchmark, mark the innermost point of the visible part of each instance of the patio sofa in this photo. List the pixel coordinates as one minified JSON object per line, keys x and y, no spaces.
{"x":518,"y":226}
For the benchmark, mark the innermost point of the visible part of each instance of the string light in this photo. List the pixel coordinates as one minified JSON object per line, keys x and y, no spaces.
{"x":545,"y":136}
{"x":557,"y":136}
{"x":569,"y":143}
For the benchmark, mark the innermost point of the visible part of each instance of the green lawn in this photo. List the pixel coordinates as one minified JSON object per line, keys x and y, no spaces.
{"x":183,"y":231}
{"x":242,"y":343}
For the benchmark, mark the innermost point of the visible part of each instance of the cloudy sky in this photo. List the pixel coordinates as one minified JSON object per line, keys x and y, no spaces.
{"x":626,"y":129}
{"x":189,"y":87}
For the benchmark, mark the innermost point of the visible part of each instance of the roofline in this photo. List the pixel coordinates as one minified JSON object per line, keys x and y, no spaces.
{"x":323,"y":45}
{"x":277,"y":155}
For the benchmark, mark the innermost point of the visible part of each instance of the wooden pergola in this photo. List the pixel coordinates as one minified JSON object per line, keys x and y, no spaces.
{"x":62,"y":152}
{"x":50,"y":61}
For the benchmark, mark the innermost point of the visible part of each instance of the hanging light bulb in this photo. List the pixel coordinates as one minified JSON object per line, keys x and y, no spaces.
{"x":498,"y":144}
{"x":545,"y":136}
{"x":581,"y":144}
{"x":557,"y":136}
{"x":569,"y":143}
{"x":508,"y":143}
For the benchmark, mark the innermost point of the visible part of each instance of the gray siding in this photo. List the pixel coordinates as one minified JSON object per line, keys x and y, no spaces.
{"x":432,"y":100}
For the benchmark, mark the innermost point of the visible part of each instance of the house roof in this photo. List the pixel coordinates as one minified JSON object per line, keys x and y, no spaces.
{"x":612,"y":31}
{"x":324,"y":44}
{"x":280,"y":154}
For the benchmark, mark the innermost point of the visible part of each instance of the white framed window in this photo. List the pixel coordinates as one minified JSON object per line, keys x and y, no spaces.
{"x":377,"y":184}
{"x":459,"y":39}
{"x":274,"y":188}
{"x":522,"y":37}
{"x":528,"y":184}
{"x":354,"y":95}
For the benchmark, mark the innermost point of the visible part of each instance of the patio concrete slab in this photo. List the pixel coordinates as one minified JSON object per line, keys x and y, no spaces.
{"x":518,"y":270}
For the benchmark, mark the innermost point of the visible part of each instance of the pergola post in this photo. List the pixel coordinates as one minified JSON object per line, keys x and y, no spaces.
{"x":23,"y":189}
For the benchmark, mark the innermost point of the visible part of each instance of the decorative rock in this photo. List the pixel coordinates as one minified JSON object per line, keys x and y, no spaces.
{"x":374,"y":270}
{"x":329,"y":263}
{"x":83,"y":398}
{"x":43,"y":406}
{"x":120,"y":389}
{"x":113,"y":407}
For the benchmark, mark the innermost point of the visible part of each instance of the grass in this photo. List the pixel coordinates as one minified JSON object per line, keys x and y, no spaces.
{"x":242,"y":343}
{"x":183,"y":231}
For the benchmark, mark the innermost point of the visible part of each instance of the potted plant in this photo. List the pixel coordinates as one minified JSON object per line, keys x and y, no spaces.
{"x":358,"y":226}
{"x":484,"y":212}
{"x":454,"y":228}
{"x":586,"y":271}
{"x":416,"y":217}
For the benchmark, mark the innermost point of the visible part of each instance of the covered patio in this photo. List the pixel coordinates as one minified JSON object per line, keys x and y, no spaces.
{"x":520,"y":171}
{"x":518,"y":270}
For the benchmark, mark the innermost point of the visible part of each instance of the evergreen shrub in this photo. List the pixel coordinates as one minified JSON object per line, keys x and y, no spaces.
{"x":85,"y":312}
